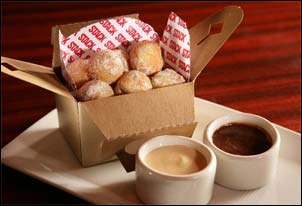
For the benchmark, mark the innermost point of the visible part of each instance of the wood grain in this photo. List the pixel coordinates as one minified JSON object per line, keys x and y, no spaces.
{"x":257,"y":70}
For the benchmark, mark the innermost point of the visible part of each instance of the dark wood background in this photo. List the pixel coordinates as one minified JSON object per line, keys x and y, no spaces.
{"x":257,"y":70}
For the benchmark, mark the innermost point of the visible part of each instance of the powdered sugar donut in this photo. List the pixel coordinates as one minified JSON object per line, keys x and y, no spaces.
{"x":94,"y":89}
{"x":117,"y":88}
{"x":146,"y":57}
{"x":134,"y":81}
{"x":108,"y":65}
{"x":76,"y":73}
{"x":166,"y":77}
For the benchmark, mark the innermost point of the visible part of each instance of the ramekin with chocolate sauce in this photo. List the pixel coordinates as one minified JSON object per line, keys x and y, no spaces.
{"x":247,"y":149}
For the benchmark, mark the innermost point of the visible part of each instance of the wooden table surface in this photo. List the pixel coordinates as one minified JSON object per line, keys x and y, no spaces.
{"x":257,"y":70}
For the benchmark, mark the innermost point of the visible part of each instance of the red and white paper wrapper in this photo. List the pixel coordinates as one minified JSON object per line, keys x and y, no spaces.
{"x":175,"y":44}
{"x":124,"y":31}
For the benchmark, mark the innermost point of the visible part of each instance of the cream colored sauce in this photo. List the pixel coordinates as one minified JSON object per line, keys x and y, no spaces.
{"x":176,"y":160}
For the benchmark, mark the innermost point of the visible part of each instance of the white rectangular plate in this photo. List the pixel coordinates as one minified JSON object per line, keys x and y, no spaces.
{"x":41,"y":152}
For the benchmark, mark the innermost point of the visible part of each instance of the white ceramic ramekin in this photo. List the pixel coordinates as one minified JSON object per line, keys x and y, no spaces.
{"x":244,"y":172}
{"x":154,"y":187}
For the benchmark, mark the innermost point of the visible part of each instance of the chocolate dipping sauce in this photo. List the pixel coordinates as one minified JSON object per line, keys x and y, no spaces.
{"x":242,"y":139}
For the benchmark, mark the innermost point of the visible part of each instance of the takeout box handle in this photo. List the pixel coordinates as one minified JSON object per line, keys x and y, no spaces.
{"x":38,"y":75}
{"x":205,"y":45}
{"x":26,"y":66}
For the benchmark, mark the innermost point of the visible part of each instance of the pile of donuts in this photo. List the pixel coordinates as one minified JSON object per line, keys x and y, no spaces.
{"x":116,"y":72}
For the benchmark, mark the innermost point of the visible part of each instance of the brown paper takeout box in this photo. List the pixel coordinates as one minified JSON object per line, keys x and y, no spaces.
{"x":97,"y":130}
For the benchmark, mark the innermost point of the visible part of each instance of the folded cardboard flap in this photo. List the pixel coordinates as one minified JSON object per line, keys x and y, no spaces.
{"x":205,"y":46}
{"x":156,"y":108}
{"x":26,"y":66}
{"x":35,"y":74}
{"x":93,"y":147}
